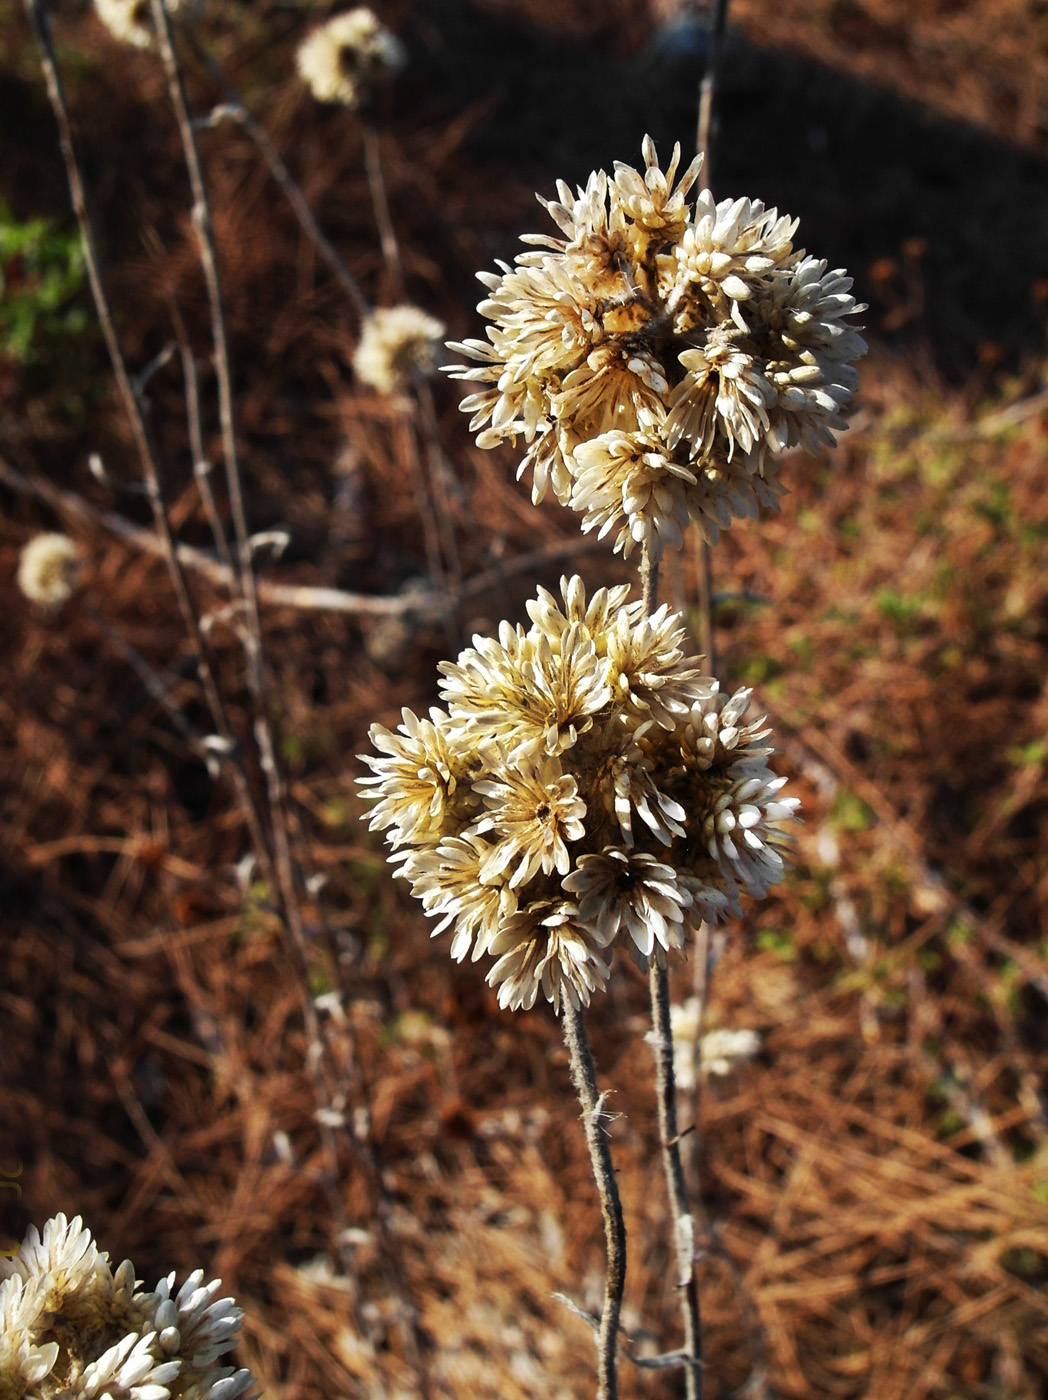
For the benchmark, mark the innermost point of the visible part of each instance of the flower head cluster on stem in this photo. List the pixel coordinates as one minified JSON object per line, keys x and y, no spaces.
{"x":72,"y":1328}
{"x":656,"y":356}
{"x":585,"y":786}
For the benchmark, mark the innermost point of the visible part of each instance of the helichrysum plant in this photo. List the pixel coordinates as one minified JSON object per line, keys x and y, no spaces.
{"x":72,"y":1328}
{"x":585,"y":785}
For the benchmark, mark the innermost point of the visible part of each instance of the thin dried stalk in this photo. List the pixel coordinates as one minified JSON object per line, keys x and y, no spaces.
{"x":661,"y":1039}
{"x":584,"y":1077}
{"x":386,"y":233}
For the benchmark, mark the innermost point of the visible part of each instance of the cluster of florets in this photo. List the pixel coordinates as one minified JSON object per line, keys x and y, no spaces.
{"x":655,"y":357}
{"x":585,"y":786}
{"x":397,"y":344}
{"x":342,"y":60}
{"x":71,"y":1327}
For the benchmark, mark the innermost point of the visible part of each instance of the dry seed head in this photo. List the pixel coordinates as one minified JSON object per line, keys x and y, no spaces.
{"x":585,"y":786}
{"x":49,"y":569}
{"x":71,"y":1327}
{"x":656,"y":356}
{"x":396,"y":344}
{"x":343,"y":59}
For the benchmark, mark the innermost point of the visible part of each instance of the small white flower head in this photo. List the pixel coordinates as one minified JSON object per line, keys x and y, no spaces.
{"x":49,"y":570}
{"x":73,"y":1329}
{"x":656,"y":356}
{"x":397,"y":344}
{"x":131,"y":22}
{"x":585,"y":787}
{"x":720,"y":1050}
{"x":343,"y":59}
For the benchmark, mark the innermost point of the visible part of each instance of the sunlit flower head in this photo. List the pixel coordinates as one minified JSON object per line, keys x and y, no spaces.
{"x":396,"y":344}
{"x":652,"y":359}
{"x":49,"y":569}
{"x":586,"y":787}
{"x":341,"y":60}
{"x":71,"y":1328}
{"x":131,"y":21}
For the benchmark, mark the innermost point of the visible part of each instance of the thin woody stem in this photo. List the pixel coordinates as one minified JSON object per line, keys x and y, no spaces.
{"x":139,"y":429}
{"x":661,"y":1040}
{"x":669,"y":1135}
{"x":380,"y":201}
{"x":584,"y":1077}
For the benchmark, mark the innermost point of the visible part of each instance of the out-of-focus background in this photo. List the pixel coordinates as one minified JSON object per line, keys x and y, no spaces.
{"x":875,"y":1181}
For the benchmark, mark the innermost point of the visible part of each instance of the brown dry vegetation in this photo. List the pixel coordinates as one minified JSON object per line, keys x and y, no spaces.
{"x":876,"y":1184}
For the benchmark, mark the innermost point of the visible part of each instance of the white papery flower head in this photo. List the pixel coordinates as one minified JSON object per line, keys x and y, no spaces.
{"x":71,"y":1328}
{"x":656,"y":356}
{"x":341,"y":61}
{"x":586,"y":787}
{"x":49,"y":569}
{"x":397,"y":343}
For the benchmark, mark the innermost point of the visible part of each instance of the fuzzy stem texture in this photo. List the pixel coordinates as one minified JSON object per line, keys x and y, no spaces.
{"x":584,"y":1077}
{"x":669,"y":1136}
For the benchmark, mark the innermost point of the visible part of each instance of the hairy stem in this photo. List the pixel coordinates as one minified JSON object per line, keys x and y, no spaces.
{"x":666,"y":1093}
{"x":584,"y":1077}
{"x":683,"y":1221}
{"x":708,"y":86}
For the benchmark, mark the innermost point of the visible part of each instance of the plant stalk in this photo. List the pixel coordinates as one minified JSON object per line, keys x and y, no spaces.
{"x":584,"y":1077}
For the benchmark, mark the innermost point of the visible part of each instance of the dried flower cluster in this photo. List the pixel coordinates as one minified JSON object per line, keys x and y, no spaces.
{"x":131,"y":21}
{"x":343,"y":59}
{"x":49,"y":569}
{"x":656,"y":356}
{"x":585,"y":786}
{"x":397,"y":343}
{"x":71,"y":1327}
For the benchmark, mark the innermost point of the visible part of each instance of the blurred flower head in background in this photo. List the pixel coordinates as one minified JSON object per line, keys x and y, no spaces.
{"x":342,"y":60}
{"x":585,"y":786}
{"x":49,"y":569}
{"x":71,"y":1327}
{"x":657,"y":355}
{"x":131,"y":21}
{"x":397,"y":343}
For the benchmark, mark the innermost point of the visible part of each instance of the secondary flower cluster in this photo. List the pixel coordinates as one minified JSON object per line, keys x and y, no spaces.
{"x":49,"y":569}
{"x":655,"y":356}
{"x":71,"y":1327}
{"x":585,"y":786}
